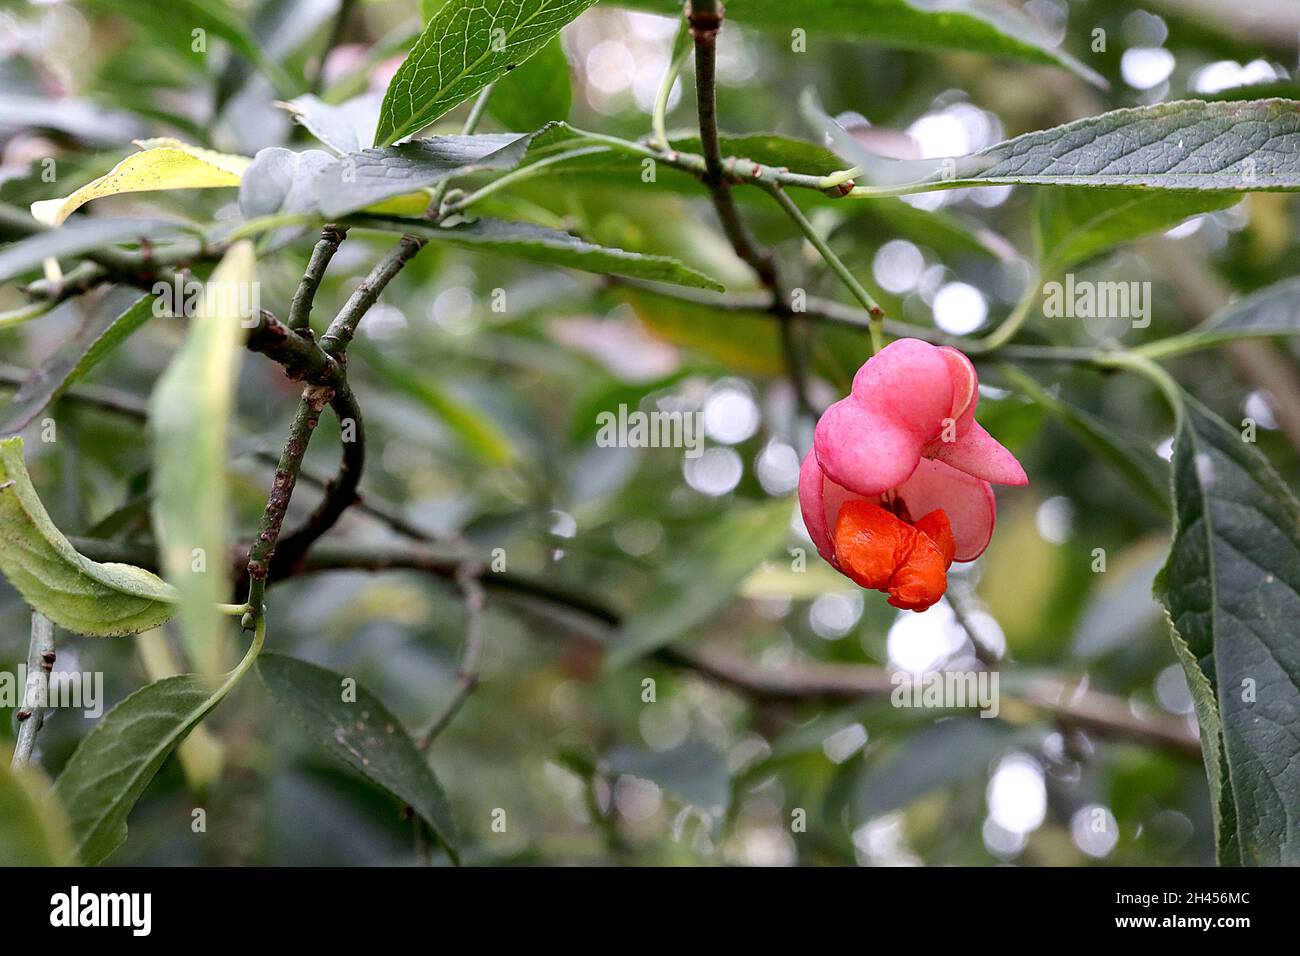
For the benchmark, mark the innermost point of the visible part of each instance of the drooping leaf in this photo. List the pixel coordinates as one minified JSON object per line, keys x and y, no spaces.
{"x":346,"y":127}
{"x":33,"y":828}
{"x":362,"y":179}
{"x":281,"y":181}
{"x":703,"y":578}
{"x":1189,"y":145}
{"x":79,"y":595}
{"x":1136,"y":462}
{"x":189,"y":412}
{"x":536,"y":93}
{"x":527,"y":240}
{"x":201,"y":754}
{"x":106,"y":325}
{"x":1271,"y":311}
{"x":983,"y":26}
{"x":114,"y":763}
{"x":465,"y":46}
{"x":1231,"y":588}
{"x":161,"y":164}
{"x":477,"y":434}
{"x":77,"y":238}
{"x":355,"y":727}
{"x":1072,"y":225}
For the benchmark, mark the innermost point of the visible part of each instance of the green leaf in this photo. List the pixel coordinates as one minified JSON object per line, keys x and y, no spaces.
{"x":477,"y":434}
{"x":1271,"y":311}
{"x":537,"y":93}
{"x":701,"y":579}
{"x":362,"y":179}
{"x":79,"y":237}
{"x":160,"y":164}
{"x":1274,"y":310}
{"x":1139,"y":464}
{"x":281,"y":181}
{"x":465,"y":46}
{"x":346,"y":127}
{"x":106,"y":325}
{"x":1231,"y":588}
{"x":113,"y":764}
{"x":1072,"y":225}
{"x":981,"y":26}
{"x":361,"y":733}
{"x":79,"y":595}
{"x":1186,"y":145}
{"x":201,"y":754}
{"x":189,"y":412}
{"x":535,"y":243}
{"x":33,"y":828}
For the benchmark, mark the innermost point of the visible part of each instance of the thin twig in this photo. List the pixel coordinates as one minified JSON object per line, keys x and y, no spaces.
{"x":382,"y":511}
{"x":340,"y":491}
{"x":1061,"y":699}
{"x":876,"y":313}
{"x":80,"y":278}
{"x":471,"y":659}
{"x":331,"y":237}
{"x":366,"y":294}
{"x":295,"y":350}
{"x":705,"y":20}
{"x":40,"y":661}
{"x":1091,"y":710}
{"x":830,"y":312}
{"x":314,"y":400}
{"x":962,"y":601}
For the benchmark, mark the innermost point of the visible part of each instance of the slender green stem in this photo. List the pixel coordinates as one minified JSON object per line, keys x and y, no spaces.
{"x":25,"y":313}
{"x":255,"y":227}
{"x":876,"y":313}
{"x":471,"y":662}
{"x":515,"y":176}
{"x":233,"y":610}
{"x":1192,"y":341}
{"x":839,"y":179}
{"x":1145,"y":366}
{"x":331,"y":237}
{"x":475,"y":116}
{"x":1009,"y":326}
{"x":681,"y":50}
{"x":254,"y":649}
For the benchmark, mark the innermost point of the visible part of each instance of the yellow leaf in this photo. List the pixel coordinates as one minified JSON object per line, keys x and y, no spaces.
{"x":161,"y":164}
